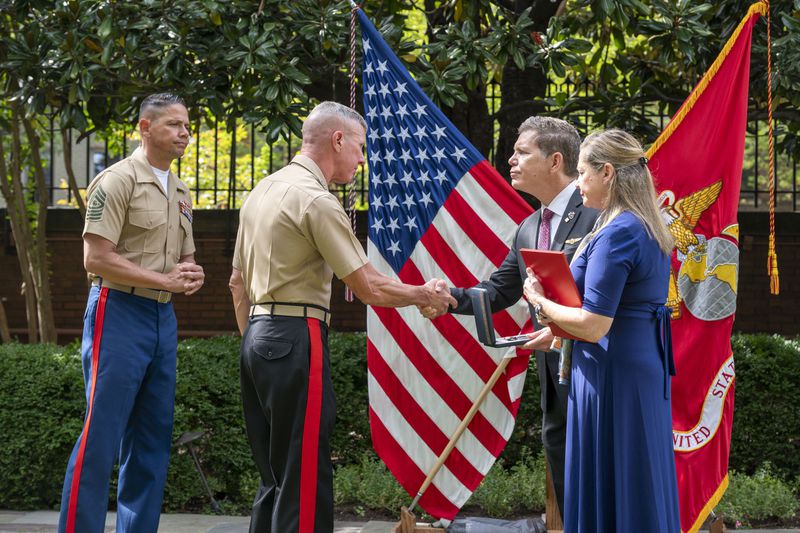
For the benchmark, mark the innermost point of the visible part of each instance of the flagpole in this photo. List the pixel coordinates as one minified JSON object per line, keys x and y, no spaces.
{"x":460,"y":429}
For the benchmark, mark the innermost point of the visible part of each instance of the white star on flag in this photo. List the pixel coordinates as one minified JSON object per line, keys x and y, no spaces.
{"x":402,"y":112}
{"x":401,"y":89}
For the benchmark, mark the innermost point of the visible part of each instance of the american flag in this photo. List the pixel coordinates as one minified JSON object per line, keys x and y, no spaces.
{"x":436,"y":209}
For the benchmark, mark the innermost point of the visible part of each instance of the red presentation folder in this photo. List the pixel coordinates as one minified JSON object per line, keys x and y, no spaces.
{"x":556,"y":278}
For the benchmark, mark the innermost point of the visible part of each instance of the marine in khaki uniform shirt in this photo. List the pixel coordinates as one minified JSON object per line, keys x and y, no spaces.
{"x":293,"y":236}
{"x":138,"y":249}
{"x":151,"y":227}
{"x":299,"y":246}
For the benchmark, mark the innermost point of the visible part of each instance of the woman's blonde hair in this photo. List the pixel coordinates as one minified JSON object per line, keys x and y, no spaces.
{"x":631,"y":187}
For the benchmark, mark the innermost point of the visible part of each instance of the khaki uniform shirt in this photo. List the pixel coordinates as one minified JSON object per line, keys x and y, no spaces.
{"x":127,"y":205}
{"x":293,"y":236}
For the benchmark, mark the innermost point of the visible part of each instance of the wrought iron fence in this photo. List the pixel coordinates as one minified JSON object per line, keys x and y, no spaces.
{"x":216,"y":182}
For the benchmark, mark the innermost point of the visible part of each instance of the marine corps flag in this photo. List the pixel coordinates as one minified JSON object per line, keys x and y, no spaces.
{"x":697,"y":166}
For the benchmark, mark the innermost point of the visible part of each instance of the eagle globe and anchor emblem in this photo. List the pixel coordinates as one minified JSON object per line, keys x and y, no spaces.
{"x":706,"y":281}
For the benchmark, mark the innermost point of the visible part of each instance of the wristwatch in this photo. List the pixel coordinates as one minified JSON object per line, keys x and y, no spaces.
{"x":537,"y":310}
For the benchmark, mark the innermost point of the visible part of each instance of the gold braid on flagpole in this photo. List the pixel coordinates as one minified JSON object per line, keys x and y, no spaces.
{"x":772,"y":254}
{"x":757,"y":8}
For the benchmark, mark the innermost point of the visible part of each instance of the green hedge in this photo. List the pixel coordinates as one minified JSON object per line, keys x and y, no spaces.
{"x":42,"y":399}
{"x":41,"y":391}
{"x":757,"y":498}
{"x":766,"y":416}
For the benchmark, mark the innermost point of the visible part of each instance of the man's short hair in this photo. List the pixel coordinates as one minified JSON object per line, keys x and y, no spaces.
{"x":555,"y":135}
{"x":329,"y":109}
{"x":157,"y":102}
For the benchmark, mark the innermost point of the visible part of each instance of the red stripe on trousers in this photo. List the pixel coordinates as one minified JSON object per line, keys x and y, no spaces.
{"x":97,"y":335}
{"x":308,"y":467}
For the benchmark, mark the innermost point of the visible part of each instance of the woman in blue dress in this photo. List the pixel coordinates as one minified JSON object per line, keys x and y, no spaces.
{"x":620,"y":467}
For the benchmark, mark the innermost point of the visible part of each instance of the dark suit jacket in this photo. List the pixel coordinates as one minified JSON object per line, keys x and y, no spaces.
{"x":505,"y":284}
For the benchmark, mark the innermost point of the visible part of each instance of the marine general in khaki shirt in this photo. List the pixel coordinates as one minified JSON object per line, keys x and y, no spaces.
{"x":293,"y":237}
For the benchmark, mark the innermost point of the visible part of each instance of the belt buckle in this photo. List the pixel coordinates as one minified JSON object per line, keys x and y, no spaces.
{"x":164,"y":297}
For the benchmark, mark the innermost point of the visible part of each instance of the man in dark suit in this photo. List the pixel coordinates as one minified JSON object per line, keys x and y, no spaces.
{"x":544,"y":164}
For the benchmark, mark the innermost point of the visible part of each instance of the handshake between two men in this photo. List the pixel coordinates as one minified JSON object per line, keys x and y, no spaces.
{"x":540,"y":339}
{"x":440,"y":299}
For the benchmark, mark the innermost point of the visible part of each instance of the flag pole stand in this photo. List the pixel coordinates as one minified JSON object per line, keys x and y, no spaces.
{"x":551,"y":513}
{"x":717,"y":525}
{"x":407,"y":522}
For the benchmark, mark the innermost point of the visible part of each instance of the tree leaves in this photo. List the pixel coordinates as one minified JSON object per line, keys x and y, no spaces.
{"x":64,"y":59}
{"x":219,"y":55}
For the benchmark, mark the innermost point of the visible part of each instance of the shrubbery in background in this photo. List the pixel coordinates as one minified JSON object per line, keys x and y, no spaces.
{"x":207,"y":399}
{"x":519,"y":489}
{"x":760,"y":497}
{"x":368,"y":484}
{"x":41,"y":391}
{"x":42,"y":394}
{"x":766,"y":416}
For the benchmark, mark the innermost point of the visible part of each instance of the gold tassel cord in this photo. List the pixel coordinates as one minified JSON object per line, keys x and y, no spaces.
{"x":772,"y":266}
{"x":772,"y":254}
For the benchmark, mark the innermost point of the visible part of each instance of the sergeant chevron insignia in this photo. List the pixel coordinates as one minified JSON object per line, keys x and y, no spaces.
{"x":97,"y":202}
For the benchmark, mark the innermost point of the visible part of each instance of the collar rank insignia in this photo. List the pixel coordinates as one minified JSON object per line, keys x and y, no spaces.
{"x":186,"y":210}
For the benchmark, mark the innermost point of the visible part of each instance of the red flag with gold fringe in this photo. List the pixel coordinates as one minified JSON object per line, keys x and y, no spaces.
{"x":697,"y":166}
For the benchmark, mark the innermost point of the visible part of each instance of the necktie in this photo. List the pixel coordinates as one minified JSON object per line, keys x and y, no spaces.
{"x":544,"y":230}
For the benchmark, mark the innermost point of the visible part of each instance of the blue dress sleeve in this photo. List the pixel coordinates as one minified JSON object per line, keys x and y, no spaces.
{"x":610,"y":260}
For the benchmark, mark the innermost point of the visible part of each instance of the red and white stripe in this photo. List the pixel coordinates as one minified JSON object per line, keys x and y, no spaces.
{"x":424,"y":375}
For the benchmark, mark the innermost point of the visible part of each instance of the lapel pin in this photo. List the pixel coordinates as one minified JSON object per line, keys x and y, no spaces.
{"x":570,"y":215}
